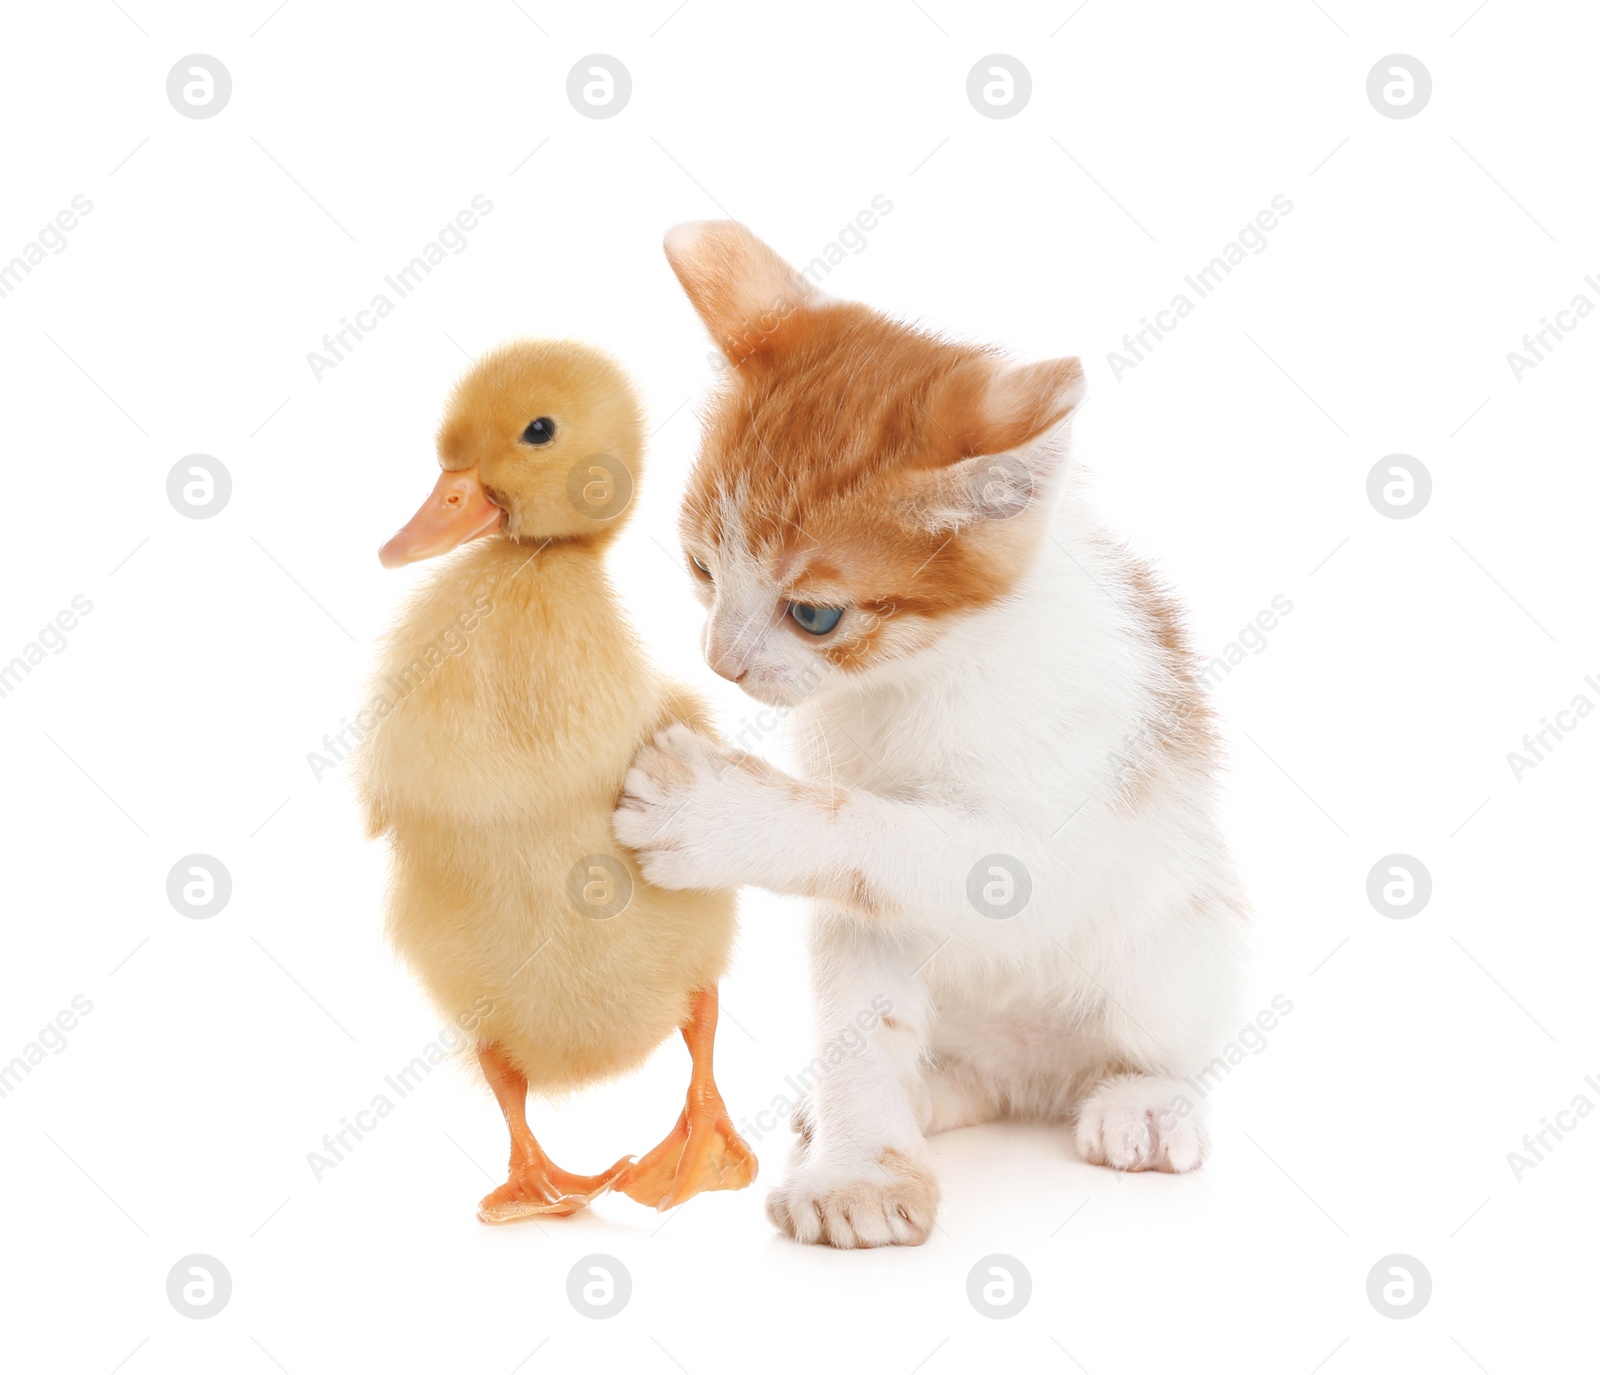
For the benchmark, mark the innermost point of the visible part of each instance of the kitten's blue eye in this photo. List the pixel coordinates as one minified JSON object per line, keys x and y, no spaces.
{"x":815,"y":620}
{"x":700,"y":566}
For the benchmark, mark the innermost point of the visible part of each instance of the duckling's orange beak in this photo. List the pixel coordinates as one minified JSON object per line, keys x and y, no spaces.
{"x":456,"y":511}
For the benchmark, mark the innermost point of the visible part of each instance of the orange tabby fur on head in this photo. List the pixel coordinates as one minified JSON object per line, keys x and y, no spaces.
{"x":846,"y":431}
{"x":512,"y":698}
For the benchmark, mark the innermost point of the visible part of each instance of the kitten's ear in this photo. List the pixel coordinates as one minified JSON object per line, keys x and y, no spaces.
{"x":742,"y":289}
{"x":1025,"y":401}
{"x":996,"y":421}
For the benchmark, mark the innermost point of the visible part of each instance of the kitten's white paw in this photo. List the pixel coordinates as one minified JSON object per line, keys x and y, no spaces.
{"x":887,"y":1202}
{"x":679,"y":801}
{"x":1132,"y":1122}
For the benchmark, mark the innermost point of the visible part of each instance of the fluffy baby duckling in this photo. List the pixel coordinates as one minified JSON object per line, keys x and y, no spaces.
{"x":517,"y":697}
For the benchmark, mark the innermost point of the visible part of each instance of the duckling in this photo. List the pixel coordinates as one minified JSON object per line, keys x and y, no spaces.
{"x":512,"y":696}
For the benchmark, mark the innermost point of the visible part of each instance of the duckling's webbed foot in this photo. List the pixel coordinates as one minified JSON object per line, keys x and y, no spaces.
{"x":535,"y":1186}
{"x":702,"y":1151}
{"x":538,"y":1188}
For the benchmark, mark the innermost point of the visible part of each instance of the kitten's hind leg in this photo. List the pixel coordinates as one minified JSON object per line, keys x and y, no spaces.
{"x":1140,"y":1122}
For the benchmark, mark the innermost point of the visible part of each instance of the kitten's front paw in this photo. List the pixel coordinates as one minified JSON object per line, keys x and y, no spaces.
{"x":677,"y":808}
{"x":889,"y":1202}
{"x":1132,"y":1122}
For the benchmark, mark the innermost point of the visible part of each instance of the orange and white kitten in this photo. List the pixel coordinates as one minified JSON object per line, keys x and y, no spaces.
{"x":1006,"y":813}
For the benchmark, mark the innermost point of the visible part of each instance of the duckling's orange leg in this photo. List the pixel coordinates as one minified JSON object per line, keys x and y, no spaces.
{"x":535,"y":1185}
{"x":703,"y":1151}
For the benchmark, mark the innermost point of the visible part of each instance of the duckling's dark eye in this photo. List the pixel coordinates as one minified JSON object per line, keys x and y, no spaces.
{"x":699,"y":566}
{"x":540,"y":431}
{"x":815,"y":620}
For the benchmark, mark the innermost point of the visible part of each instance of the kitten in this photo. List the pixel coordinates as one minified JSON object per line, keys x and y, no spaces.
{"x":1006,"y":811}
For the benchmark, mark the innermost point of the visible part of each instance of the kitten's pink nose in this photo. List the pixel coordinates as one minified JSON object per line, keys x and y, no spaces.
{"x":735,"y":633}
{"x":723,"y":667}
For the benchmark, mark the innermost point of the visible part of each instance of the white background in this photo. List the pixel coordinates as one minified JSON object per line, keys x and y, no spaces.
{"x":218,"y":653}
